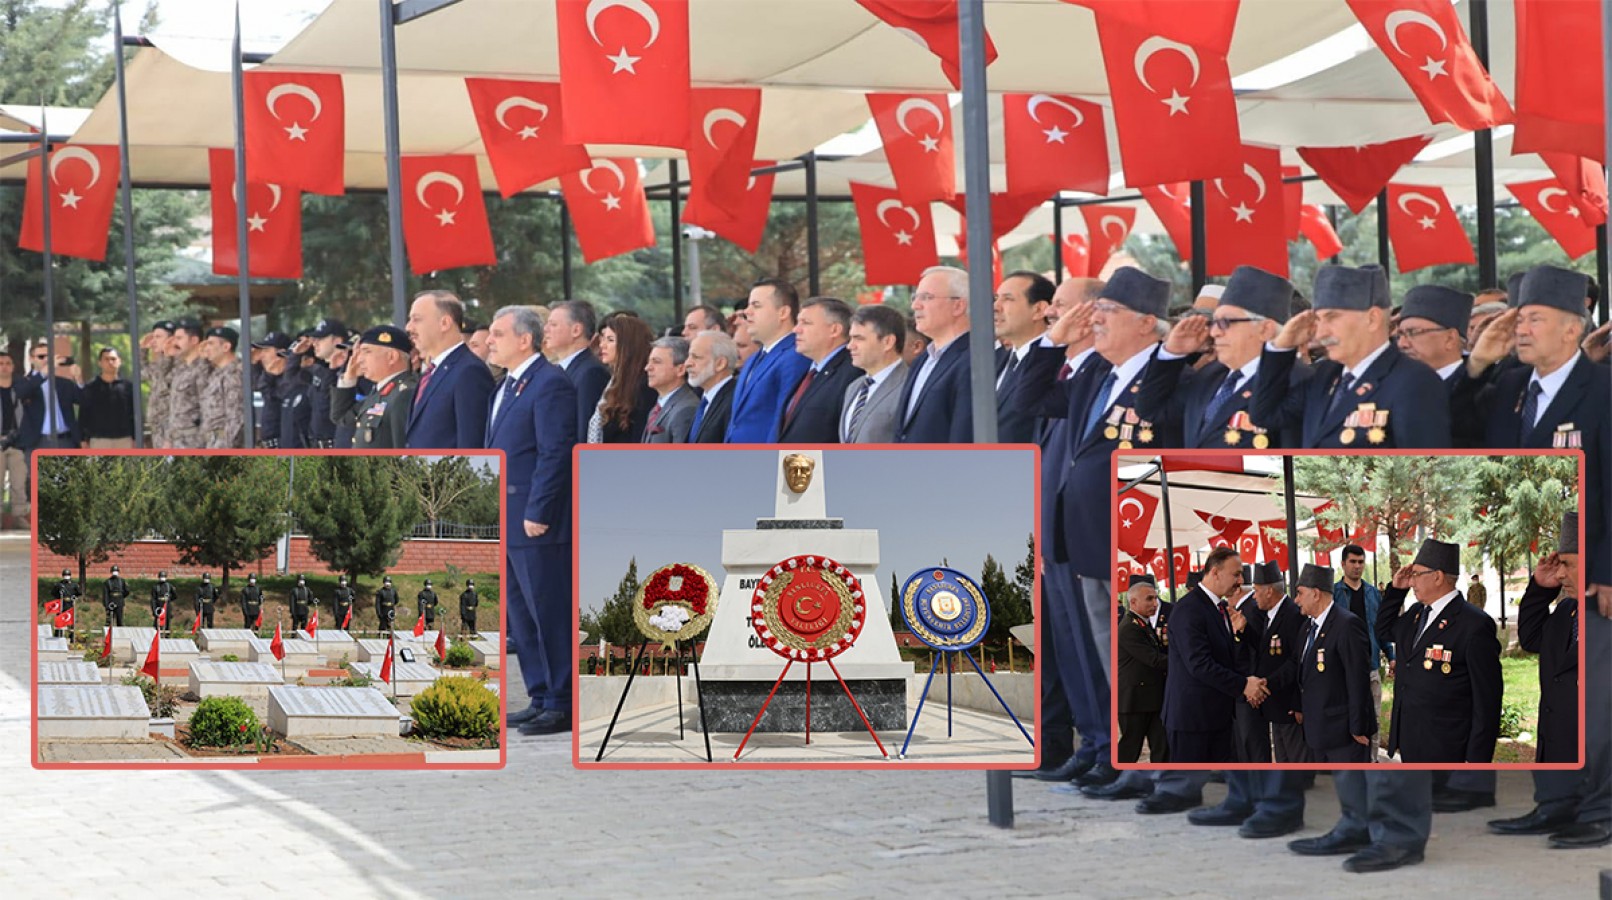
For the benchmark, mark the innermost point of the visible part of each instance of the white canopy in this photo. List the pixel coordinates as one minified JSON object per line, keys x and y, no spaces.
{"x":1248,"y":496}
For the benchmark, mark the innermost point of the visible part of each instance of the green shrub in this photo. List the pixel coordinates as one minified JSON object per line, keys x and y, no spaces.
{"x":162,"y":701}
{"x":93,"y":655}
{"x":223,"y":722}
{"x":460,"y":655}
{"x":229,"y":657}
{"x":456,"y":707}
{"x":353,"y":679}
{"x":1511,"y":715}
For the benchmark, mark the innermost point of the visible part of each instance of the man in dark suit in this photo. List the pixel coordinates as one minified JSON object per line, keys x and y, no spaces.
{"x":450,"y":402}
{"x":1336,"y":711}
{"x":768,"y":377}
{"x":936,"y":404}
{"x":672,"y":416}
{"x":1143,"y":665}
{"x":1019,"y":314}
{"x":873,"y":402}
{"x":812,"y":413}
{"x":1366,"y":394}
{"x":713,"y":357}
{"x":49,"y":407}
{"x":533,"y":420}
{"x":1275,"y":642}
{"x":568,"y":342}
{"x":1432,"y":329}
{"x":1204,"y":681}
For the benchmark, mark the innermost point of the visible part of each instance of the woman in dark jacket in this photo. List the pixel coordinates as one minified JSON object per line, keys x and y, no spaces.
{"x":623,"y":410}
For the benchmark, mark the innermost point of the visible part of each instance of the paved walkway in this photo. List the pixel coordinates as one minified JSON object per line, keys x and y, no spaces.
{"x":541,"y":826}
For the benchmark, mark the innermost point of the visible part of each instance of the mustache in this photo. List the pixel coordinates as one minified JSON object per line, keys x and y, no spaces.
{"x":1327,"y":342}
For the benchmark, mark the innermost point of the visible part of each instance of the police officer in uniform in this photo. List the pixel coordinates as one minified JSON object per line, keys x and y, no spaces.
{"x":67,"y":592}
{"x":427,"y":600}
{"x":114,"y":591}
{"x":296,"y":408}
{"x":386,"y":605}
{"x":206,"y":597}
{"x":162,"y":597}
{"x":341,"y":603}
{"x":468,"y":602}
{"x":323,"y":340}
{"x":267,"y":370}
{"x":301,"y":603}
{"x":381,"y":420}
{"x":251,"y":602}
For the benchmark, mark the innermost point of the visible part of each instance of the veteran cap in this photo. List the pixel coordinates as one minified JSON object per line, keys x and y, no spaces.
{"x":1259,"y":292}
{"x":1561,"y":289}
{"x":1514,"y":288}
{"x":1267,"y":573}
{"x":1343,"y":287}
{"x":389,"y":336}
{"x":1568,"y":542}
{"x":1136,"y":290}
{"x":1314,"y":576}
{"x":1440,"y":305}
{"x":1439,"y":556}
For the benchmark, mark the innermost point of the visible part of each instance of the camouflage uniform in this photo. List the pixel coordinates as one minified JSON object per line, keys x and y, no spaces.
{"x":159,"y":374}
{"x":186,"y":382}
{"x":222,"y":416}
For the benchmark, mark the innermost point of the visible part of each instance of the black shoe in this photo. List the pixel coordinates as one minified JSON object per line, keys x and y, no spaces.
{"x":1582,"y":835}
{"x":1117,"y":790}
{"x":1256,"y":827}
{"x":1165,"y":803}
{"x":1539,"y":821}
{"x":1382,"y":858}
{"x":1044,"y":770}
{"x":1448,"y":801}
{"x":1219,"y":815}
{"x":550,"y":722}
{"x":1073,"y":768}
{"x":517,"y":719}
{"x":1329,"y":844}
{"x":1099,"y":775}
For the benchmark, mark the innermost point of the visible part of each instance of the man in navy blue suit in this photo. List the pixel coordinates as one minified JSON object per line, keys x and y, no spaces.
{"x":936,"y":403}
{"x":1366,"y":394}
{"x":771,"y":374}
{"x":1019,"y":314}
{"x":450,"y":402}
{"x":568,"y":341}
{"x":812,"y":415}
{"x":1201,"y":693}
{"x":533,"y":420}
{"x":49,"y":407}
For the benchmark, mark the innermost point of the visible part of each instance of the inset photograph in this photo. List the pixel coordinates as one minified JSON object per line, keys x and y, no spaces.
{"x":297,"y":610}
{"x":1348,"y":610}
{"x":806,"y":607}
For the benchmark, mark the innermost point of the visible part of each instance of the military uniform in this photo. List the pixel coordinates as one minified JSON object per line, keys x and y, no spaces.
{"x":206,"y":599}
{"x":341,"y":604}
{"x":1141,"y":668}
{"x":251,"y":604}
{"x":67,"y":592}
{"x":381,"y":419}
{"x":386,"y":606}
{"x":427,"y":600}
{"x":114,"y":591}
{"x":158,"y":372}
{"x":222,"y":414}
{"x":467,"y":608}
{"x":184,"y":403}
{"x":162,"y":597}
{"x":301,"y":604}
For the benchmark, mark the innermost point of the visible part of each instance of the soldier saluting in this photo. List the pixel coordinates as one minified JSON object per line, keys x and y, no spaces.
{"x":67,"y":593}
{"x":114,"y":591}
{"x":427,"y":599}
{"x":386,"y":604}
{"x":301,"y":602}
{"x":251,"y":602}
{"x":382,"y":418}
{"x":162,"y":596}
{"x":206,"y":596}
{"x":468,"y":601}
{"x":341,"y":603}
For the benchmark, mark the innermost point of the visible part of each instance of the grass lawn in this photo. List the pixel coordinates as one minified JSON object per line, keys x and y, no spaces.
{"x":1520,"y":675}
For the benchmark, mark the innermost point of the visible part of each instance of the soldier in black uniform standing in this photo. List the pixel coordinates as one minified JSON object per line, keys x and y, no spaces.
{"x":251,"y":603}
{"x":267,"y":369}
{"x":206,"y":598}
{"x":386,"y":605}
{"x":324,"y":339}
{"x":67,"y":592}
{"x":301,"y":603}
{"x":162,"y":597}
{"x":427,"y":600}
{"x":341,"y":603}
{"x":1142,"y":666}
{"x":468,"y":601}
{"x":296,"y":408}
{"x":114,"y":591}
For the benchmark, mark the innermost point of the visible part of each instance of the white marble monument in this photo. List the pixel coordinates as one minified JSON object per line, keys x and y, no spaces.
{"x":71,"y":711}
{"x":69,"y":673}
{"x":296,"y":711}
{"x":251,"y":680}
{"x":220,"y":641}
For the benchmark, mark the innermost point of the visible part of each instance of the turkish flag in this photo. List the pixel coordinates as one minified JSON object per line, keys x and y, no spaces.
{"x":1561,"y":101}
{"x":153,"y":658}
{"x":277,"y":646}
{"x":1008,"y":211}
{"x":1182,"y":557}
{"x":1364,"y":534}
{"x":444,"y":214}
{"x":1076,"y":255}
{"x":1107,"y":227}
{"x":1054,"y":142}
{"x":932,"y":23}
{"x":1292,"y":202}
{"x":296,"y":130}
{"x":52,"y":607}
{"x":1171,"y":203}
{"x":1145,"y":557}
{"x":386,"y":664}
{"x":442,"y":645}
{"x":195,"y":625}
{"x":1245,"y":218}
{"x":162,"y":617}
{"x":346,"y":620}
{"x":1552,"y":207}
{"x":1158,"y":565}
{"x":83,"y":185}
{"x":273,"y":223}
{"x":1134,"y":513}
{"x":917,"y":134}
{"x":1122,"y":577}
{"x":1358,"y":174}
{"x":1248,"y":546}
{"x":1202,"y":23}
{"x":1174,"y":109}
{"x":1314,"y":225}
{"x":313,"y":624}
{"x":1424,"y":40}
{"x":624,"y":71}
{"x":1329,"y":537}
{"x":1230,"y":529}
{"x":898,"y":240}
{"x":419,"y":625}
{"x":996,"y":256}
{"x":608,"y":208}
{"x":722,"y":147}
{"x":106,"y":642}
{"x":258,"y":622}
{"x":520,"y":124}
{"x":745,"y":226}
{"x":1423,"y":228}
{"x":1275,"y":548}
{"x":1584,"y":181}
{"x":64,"y":619}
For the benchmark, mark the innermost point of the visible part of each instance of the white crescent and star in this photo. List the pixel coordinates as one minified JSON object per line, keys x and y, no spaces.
{"x":1158,"y":44}
{"x":623,"y":61}
{"x":71,"y":198}
{"x":1112,"y":219}
{"x":902,"y":236}
{"x":930,"y":142}
{"x":610,"y":200}
{"x":1427,"y":222}
{"x":517,"y":101}
{"x":1055,"y":135}
{"x":294,"y":131}
{"x":257,"y":220}
{"x":1124,"y":522}
{"x":720,"y":114}
{"x":1243,"y":211}
{"x":1401,"y":17}
{"x":437,"y":176}
{"x":1548,"y":193}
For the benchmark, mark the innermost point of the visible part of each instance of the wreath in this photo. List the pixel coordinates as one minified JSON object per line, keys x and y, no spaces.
{"x":675,"y":603}
{"x":808,"y":608}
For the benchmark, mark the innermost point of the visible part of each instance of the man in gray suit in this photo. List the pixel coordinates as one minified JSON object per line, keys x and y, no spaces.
{"x":670,"y":420}
{"x":873,"y":402}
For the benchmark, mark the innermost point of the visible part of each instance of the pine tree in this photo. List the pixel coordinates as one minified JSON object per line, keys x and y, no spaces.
{"x":614,"y":620}
{"x":92,"y":506}
{"x":225,"y":512}
{"x":1010,"y":605}
{"x":355,"y":514}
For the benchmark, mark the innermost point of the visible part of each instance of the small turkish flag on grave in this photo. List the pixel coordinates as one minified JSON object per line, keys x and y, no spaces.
{"x":162,"y":617}
{"x":347,"y":619}
{"x":64,"y":619}
{"x":419,"y":626}
{"x":386,"y":664}
{"x":52,"y":607}
{"x":258,"y":623}
{"x":277,"y":646}
{"x":442,"y":645}
{"x":106,"y":643}
{"x":153,"y":657}
{"x":195,"y":625}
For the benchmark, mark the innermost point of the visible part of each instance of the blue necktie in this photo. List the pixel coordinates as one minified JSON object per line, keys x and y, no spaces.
{"x":1099,"y":402}
{"x":504,"y":398}
{"x":1530,"y":411}
{"x":699,"y":416}
{"x":1227,"y":388}
{"x":1342,"y":391}
{"x":1309,"y":644}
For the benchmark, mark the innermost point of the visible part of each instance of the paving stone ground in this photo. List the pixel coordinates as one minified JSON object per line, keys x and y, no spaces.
{"x":541,"y":826}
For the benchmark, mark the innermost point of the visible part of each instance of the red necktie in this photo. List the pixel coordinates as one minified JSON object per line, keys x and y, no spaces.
{"x":425,"y":377}
{"x":654,"y":416}
{"x":789,"y":415}
{"x":1065,"y":372}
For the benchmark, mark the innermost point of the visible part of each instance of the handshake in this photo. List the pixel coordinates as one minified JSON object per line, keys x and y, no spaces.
{"x":1255,"y":691}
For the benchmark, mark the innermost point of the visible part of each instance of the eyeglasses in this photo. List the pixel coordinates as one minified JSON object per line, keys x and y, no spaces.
{"x":927,"y":297}
{"x":1423,"y":573}
{"x":1413,"y":333}
{"x":1225,"y":324}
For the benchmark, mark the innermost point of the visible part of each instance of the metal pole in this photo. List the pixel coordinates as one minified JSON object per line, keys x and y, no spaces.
{"x":1602,"y":272}
{"x":394,"y":162}
{"x":1200,"y":240}
{"x":50,"y":263}
{"x":243,"y":248}
{"x":1169,"y":530}
{"x":126,"y":190}
{"x":1382,"y":229}
{"x":813,"y":272}
{"x":565,"y":250}
{"x":695,"y":295}
{"x":1483,"y":158}
{"x":1601,"y":267}
{"x":677,"y":247}
{"x":1057,"y":240}
{"x":1288,"y":489}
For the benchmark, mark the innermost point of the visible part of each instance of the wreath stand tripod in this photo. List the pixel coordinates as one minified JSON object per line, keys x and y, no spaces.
{"x":950,"y":657}
{"x":633,"y":673}
{"x":846,"y":687}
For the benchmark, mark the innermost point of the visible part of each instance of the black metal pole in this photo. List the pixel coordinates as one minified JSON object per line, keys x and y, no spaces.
{"x":565,"y":249}
{"x":1169,"y":530}
{"x":813,"y":273}
{"x":1288,"y":489}
{"x":126,"y":192}
{"x":243,"y":255}
{"x":1602,"y":272}
{"x":394,"y":162}
{"x":677,"y":248}
{"x":1200,"y":241}
{"x":1332,"y":217}
{"x":45,"y":184}
{"x":1057,"y":240}
{"x":1483,"y":159}
{"x":1382,"y":229}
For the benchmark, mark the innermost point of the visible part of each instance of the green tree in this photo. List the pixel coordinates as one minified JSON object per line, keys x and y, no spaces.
{"x":614,"y":620}
{"x":1010,"y":605}
{"x":1402,"y":497}
{"x":438,"y":486}
{"x":355,"y":513}
{"x":1517,"y":503}
{"x":896,"y":622}
{"x":92,"y":506}
{"x":225,"y":512}
{"x":1024,"y":572}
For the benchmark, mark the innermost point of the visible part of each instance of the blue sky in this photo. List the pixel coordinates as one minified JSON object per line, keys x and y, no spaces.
{"x":665,"y":507}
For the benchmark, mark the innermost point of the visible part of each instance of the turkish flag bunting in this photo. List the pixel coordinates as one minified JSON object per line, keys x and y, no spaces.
{"x":1145,"y":557}
{"x":1314,"y":225}
{"x":1424,"y":40}
{"x":1561,"y":99}
{"x":1584,"y":182}
{"x":722,"y":145}
{"x":520,"y":124}
{"x":106,"y":642}
{"x":1364,"y":534}
{"x":1135,"y":516}
{"x":313,"y":624}
{"x":386,"y":664}
{"x":932,"y":23}
{"x":1054,"y":142}
{"x":277,"y":646}
{"x":83,"y":185}
{"x":1358,"y":174}
{"x":273,"y":223}
{"x":1183,"y":564}
{"x":746,"y":226}
{"x":1230,"y":529}
{"x":1245,"y":217}
{"x":444,"y":214}
{"x":1423,"y":228}
{"x":52,"y":607}
{"x":608,"y":208}
{"x":1172,"y":204}
{"x":64,"y":619}
{"x":1122,"y":577}
{"x":419,"y":625}
{"x":1248,"y":546}
{"x":1008,"y":211}
{"x":917,"y":134}
{"x":1173,"y":106}
{"x":442,"y":645}
{"x":1107,"y":227}
{"x":1552,"y":207}
{"x":1274,"y":547}
{"x":1329,"y":536}
{"x":1292,"y":202}
{"x":1076,"y":256}
{"x":1158,"y":565}
{"x":296,"y":130}
{"x":996,"y":255}
{"x":153,"y":657}
{"x":624,"y":71}
{"x":898,"y":240}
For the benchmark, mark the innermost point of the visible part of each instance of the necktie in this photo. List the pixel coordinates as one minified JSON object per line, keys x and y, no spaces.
{"x":1309,"y":643}
{"x":654,"y":416}
{"x":1007,"y":371}
{"x":1530,"y":411}
{"x":425,"y":378}
{"x":858,"y":406}
{"x":1099,"y":403}
{"x":1421,"y":620}
{"x":789,"y":414}
{"x":1066,"y":371}
{"x":1344,"y":384}
{"x":699,"y":416}
{"x":750,"y":367}
{"x":503,"y":398}
{"x":1225,"y":613}
{"x":1211,"y":413}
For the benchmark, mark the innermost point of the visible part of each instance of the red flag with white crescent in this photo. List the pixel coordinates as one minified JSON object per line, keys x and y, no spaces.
{"x":64,"y":619}
{"x":608,"y":208}
{"x":1424,"y":230}
{"x":1172,"y":204}
{"x":1246,"y":222}
{"x":1551,"y":206}
{"x":52,"y":607}
{"x":277,"y":646}
{"x":1054,"y":142}
{"x":1317,"y":228}
{"x":1107,"y":228}
{"x":1183,"y":564}
{"x":1358,"y":174}
{"x":1135,"y":512}
{"x":624,"y":71}
{"x":313,"y":624}
{"x":917,"y":134}
{"x":386,"y":664}
{"x":296,"y":130}
{"x":520,"y":124}
{"x":747,"y":224}
{"x":1584,"y":182}
{"x":1248,"y":546}
{"x":106,"y":643}
{"x":442,"y":645}
{"x":722,"y":144}
{"x":1076,"y":255}
{"x":1275,"y":548}
{"x":419,"y":626}
{"x":273,"y":223}
{"x":898,"y":239}
{"x":933,"y":25}
{"x":1424,"y":40}
{"x":1122,"y":576}
{"x":1228,"y":528}
{"x":444,"y":214}
{"x":83,"y":184}
{"x":153,"y":657}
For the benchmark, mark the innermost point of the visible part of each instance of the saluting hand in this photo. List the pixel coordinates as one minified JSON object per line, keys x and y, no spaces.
{"x":1496,"y":341}
{"x":1189,"y":335}
{"x":1074,"y":326}
{"x":1548,"y":574}
{"x":351,"y":372}
{"x":1598,"y":346}
{"x":1298,"y":332}
{"x":1402,"y":578}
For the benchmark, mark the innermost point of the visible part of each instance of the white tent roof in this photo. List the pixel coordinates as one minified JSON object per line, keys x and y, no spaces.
{"x":1235,"y":496}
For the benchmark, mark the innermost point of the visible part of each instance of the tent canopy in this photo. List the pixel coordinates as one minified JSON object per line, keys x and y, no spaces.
{"x":1253,"y":496}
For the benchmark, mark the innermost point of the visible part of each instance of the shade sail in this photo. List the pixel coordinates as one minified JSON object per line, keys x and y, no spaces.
{"x":1245,"y":496}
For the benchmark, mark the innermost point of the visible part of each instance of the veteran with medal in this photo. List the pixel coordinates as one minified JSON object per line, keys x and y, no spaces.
{"x":1334,"y":685}
{"x":381,"y":419}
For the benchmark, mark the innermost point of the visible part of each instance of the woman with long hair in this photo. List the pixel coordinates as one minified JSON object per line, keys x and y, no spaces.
{"x":623,"y":409}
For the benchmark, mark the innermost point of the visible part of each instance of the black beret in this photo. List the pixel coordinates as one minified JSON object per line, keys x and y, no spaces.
{"x":388,"y":336}
{"x":1259,"y":292}
{"x":1445,"y":306}
{"x":230,"y":335}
